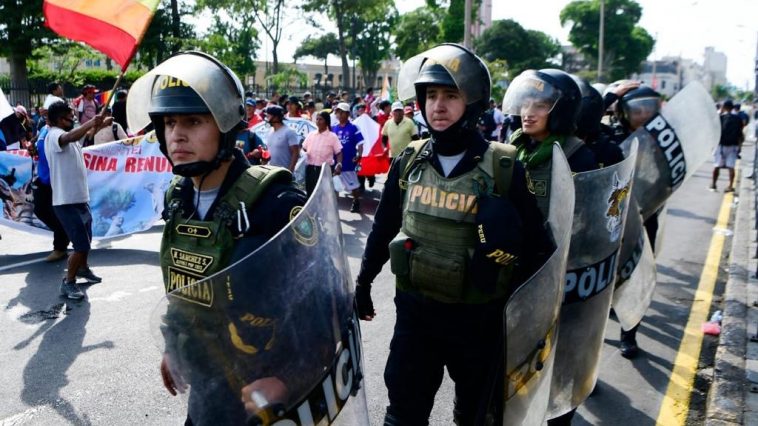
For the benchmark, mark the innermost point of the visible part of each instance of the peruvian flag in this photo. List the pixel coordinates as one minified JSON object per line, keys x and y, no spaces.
{"x":374,"y":159}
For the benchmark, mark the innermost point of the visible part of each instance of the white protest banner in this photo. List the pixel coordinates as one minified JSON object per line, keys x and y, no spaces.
{"x":127,"y":180}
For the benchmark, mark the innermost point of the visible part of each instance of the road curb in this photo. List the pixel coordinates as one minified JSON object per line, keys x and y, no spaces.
{"x":727,"y":395}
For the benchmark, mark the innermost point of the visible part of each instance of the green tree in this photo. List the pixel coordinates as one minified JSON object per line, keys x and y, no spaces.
{"x":271,"y":15}
{"x":319,"y":48}
{"x":626,"y":44}
{"x":287,"y":78}
{"x":344,"y":13}
{"x":166,"y":35}
{"x":520,"y":48}
{"x":21,"y":30}
{"x":417,"y":31}
{"x":232,"y":38}
{"x":64,"y":56}
{"x":499,"y":75}
{"x":370,"y":37}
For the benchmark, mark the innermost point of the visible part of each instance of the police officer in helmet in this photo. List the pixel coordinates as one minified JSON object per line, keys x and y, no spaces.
{"x":548,"y":102}
{"x":635,"y":108}
{"x":446,"y":206}
{"x":590,"y":129}
{"x":217,"y":210}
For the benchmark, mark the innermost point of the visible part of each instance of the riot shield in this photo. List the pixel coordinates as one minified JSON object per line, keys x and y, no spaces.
{"x":636,"y":279}
{"x":531,"y":314}
{"x":599,"y":214}
{"x":280,"y":332}
{"x":672,"y":145}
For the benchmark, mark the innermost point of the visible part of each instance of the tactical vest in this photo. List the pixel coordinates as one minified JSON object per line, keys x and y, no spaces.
{"x":432,"y":252}
{"x":539,"y":176}
{"x":195,"y":249}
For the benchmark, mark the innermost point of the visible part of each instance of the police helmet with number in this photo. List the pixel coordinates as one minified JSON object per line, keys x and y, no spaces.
{"x":451,"y":65}
{"x":552,"y":91}
{"x":638,"y":106}
{"x":189,"y":83}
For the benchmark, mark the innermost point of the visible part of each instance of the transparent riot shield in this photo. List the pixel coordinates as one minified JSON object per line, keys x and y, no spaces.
{"x":672,"y":145}
{"x":279,"y":342}
{"x":531,"y":314}
{"x":602,"y":203}
{"x":635,"y":282}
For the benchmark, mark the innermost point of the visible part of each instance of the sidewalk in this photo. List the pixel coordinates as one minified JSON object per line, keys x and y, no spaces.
{"x":733,"y":396}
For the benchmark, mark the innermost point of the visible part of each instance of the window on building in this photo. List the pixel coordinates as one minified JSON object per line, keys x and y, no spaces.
{"x":88,"y":62}
{"x":663,"y":84}
{"x":97,"y":62}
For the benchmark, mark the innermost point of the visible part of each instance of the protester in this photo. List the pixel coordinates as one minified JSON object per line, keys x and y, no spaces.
{"x":398,"y":132}
{"x":321,"y":146}
{"x":351,"y":139}
{"x":43,"y":201}
{"x":13,"y":129}
{"x":54,"y":94}
{"x":88,"y":105}
{"x":68,"y":179}
{"x":251,"y":113}
{"x":725,"y":154}
{"x":283,"y":143}
{"x":119,"y":109}
{"x":109,"y":134}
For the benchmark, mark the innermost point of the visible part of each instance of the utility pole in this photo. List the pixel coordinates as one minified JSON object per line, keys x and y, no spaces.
{"x":601,"y":42}
{"x":755,"y":88}
{"x":467,"y":24}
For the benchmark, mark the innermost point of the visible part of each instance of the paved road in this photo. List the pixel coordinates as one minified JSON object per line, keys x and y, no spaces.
{"x":97,"y":364}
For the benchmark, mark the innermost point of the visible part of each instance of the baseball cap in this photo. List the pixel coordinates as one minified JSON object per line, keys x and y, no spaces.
{"x":343,"y":106}
{"x":250,"y":101}
{"x":307,"y":94}
{"x":397,"y":105}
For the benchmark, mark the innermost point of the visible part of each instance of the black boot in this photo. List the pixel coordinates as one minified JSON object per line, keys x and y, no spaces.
{"x":629,"y":348}
{"x":356,"y":207}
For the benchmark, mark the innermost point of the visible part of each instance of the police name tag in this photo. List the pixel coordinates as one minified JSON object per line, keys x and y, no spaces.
{"x":193,"y":231}
{"x":668,"y":142}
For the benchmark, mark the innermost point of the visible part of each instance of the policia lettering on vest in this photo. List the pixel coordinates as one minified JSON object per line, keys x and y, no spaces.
{"x":195,"y":105}
{"x":459,"y":239}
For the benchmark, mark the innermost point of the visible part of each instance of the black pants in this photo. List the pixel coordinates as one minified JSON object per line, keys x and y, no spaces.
{"x":429,"y":336}
{"x":311,"y":178}
{"x":43,"y":209}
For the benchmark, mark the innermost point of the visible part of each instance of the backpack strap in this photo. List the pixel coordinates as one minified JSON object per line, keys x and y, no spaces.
{"x":503,"y":159}
{"x":408,"y":160}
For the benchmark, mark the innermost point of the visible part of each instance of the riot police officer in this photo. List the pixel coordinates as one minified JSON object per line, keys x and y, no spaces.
{"x":589,"y":128}
{"x":217,"y":210}
{"x":634,"y":108}
{"x":461,"y":229}
{"x":548,"y":102}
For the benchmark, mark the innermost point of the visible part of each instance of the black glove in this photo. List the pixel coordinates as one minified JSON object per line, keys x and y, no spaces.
{"x":363,"y":301}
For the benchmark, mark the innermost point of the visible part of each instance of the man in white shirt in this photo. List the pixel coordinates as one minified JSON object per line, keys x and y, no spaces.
{"x":68,"y":179}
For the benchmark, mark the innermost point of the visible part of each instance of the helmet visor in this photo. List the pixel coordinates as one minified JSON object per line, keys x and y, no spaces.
{"x":218,"y":88}
{"x":463,"y":67}
{"x":529,"y":94}
{"x":638,"y":111}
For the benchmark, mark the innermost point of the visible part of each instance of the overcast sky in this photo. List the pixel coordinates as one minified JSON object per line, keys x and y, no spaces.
{"x":681,"y":28}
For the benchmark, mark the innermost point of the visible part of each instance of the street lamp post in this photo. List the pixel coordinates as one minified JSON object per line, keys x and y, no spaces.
{"x":467,"y":24}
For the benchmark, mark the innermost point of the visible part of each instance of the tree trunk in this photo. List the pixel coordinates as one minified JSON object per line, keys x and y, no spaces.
{"x":343,"y":53}
{"x":175,"y":25}
{"x":108,"y":63}
{"x":275,"y":57}
{"x":19,"y":90}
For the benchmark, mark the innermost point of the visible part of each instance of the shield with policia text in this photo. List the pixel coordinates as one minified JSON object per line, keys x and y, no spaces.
{"x":602,"y":204}
{"x":278,"y":332}
{"x":672,"y":145}
{"x":531,"y":314}
{"x":635,"y":282}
